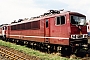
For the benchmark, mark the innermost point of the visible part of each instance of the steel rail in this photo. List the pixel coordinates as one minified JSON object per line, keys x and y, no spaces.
{"x":11,"y":55}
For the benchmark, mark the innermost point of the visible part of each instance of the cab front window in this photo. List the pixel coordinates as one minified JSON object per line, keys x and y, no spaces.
{"x":78,"y":20}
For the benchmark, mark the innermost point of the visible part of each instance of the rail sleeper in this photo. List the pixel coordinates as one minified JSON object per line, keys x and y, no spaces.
{"x":11,"y":55}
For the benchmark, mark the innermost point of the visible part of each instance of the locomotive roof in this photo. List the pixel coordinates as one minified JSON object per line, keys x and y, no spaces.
{"x":47,"y":16}
{"x":75,"y":13}
{"x":3,"y":25}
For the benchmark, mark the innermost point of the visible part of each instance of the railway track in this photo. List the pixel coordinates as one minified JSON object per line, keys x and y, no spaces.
{"x":11,"y":54}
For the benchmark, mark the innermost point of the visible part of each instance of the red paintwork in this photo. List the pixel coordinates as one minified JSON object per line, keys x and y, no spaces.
{"x":8,"y":31}
{"x":52,"y":31}
{"x":75,"y":29}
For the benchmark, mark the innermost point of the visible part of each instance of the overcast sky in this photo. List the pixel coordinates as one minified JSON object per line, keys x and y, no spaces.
{"x":11,"y":10}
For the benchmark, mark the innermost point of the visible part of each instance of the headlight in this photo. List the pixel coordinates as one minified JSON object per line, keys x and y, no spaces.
{"x":85,"y":36}
{"x":79,"y":36}
{"x":76,"y":44}
{"x":85,"y":45}
{"x":73,"y":36}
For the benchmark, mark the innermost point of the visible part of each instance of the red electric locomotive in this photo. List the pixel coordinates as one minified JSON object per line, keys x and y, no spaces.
{"x":54,"y":31}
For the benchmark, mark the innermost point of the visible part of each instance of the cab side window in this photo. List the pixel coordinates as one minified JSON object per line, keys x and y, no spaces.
{"x":46,"y":23}
{"x":60,"y":20}
{"x":57,"y":20}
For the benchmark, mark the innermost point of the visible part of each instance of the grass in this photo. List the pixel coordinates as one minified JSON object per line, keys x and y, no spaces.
{"x":31,"y":52}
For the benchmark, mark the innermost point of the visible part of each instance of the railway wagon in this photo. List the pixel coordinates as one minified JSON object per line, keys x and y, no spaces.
{"x":3,"y":30}
{"x":88,"y":28}
{"x":54,"y":31}
{"x":88,"y":31}
{"x":0,"y":31}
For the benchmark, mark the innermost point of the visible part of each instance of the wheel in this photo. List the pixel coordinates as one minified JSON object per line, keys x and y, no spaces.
{"x":81,"y":52}
{"x":66,"y":51}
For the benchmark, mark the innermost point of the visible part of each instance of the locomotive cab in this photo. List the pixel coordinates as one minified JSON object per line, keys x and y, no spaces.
{"x":78,"y":36}
{"x":78,"y":29}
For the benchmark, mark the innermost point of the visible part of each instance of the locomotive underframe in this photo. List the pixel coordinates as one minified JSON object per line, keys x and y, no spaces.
{"x":50,"y":48}
{"x":79,"y":41}
{"x":79,"y":46}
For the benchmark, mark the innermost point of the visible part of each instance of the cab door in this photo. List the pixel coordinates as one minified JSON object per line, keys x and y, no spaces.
{"x":47,"y":30}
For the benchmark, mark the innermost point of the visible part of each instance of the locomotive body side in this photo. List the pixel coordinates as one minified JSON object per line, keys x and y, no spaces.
{"x":59,"y":29}
{"x":30,"y":31}
{"x":56,"y":29}
{"x":47,"y":30}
